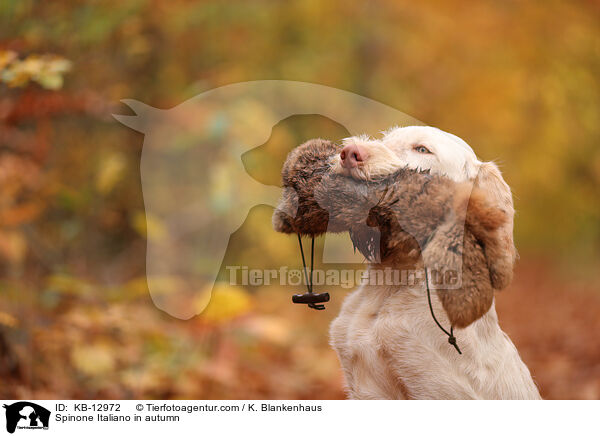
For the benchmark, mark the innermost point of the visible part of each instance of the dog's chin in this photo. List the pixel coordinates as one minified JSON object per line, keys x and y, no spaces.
{"x":356,"y":173}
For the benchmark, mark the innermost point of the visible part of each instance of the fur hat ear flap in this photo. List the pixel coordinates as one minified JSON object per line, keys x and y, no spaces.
{"x":458,"y":272}
{"x":456,"y":251}
{"x":499,"y":246}
{"x":467,"y":248}
{"x":284,"y":214}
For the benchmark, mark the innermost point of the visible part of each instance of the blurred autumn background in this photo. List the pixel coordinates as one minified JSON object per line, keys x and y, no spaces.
{"x":517,"y":80}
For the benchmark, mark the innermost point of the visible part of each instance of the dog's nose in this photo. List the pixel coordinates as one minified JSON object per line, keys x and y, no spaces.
{"x":352,"y":154}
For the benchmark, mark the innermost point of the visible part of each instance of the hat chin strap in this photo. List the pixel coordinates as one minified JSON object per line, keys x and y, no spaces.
{"x":311,"y":299}
{"x":451,"y":337}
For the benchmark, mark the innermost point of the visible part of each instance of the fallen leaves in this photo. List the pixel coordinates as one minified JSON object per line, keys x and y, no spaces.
{"x":46,"y":70}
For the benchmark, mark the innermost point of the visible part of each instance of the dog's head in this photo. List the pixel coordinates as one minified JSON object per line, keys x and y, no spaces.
{"x":415,"y":147}
{"x":444,"y":154}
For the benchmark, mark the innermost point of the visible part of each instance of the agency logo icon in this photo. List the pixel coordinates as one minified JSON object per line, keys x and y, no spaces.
{"x":26,"y":415}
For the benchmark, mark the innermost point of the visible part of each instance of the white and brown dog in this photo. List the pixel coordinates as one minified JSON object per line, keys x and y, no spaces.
{"x":387,"y":343}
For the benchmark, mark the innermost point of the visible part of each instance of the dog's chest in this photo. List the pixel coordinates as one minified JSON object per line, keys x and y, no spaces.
{"x":389,"y":347}
{"x":356,"y":335}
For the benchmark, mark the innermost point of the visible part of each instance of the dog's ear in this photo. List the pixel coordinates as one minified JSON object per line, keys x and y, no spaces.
{"x":499,"y":247}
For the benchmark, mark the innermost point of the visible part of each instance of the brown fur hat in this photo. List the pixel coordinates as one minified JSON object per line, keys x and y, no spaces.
{"x":406,"y":218}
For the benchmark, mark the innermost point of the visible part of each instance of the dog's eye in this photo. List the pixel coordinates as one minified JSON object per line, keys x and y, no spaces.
{"x":422,"y":149}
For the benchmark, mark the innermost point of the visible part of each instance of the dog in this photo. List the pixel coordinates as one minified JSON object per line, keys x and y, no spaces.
{"x":387,"y":343}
